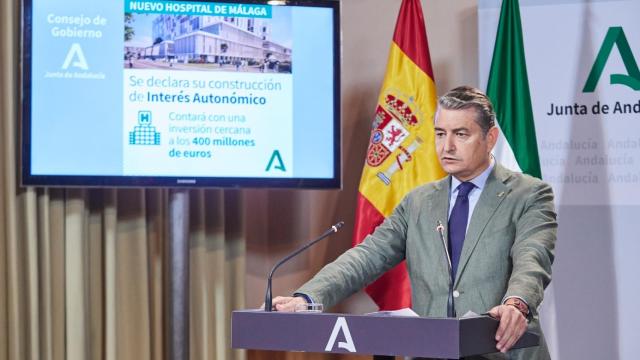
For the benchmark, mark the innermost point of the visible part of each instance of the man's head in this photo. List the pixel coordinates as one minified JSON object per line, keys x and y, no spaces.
{"x":465,"y":132}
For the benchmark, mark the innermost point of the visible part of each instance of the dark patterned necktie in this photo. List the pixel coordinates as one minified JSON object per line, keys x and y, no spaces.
{"x":458,"y":225}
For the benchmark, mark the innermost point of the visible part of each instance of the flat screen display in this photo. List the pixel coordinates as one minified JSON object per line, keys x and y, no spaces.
{"x":181,"y":93}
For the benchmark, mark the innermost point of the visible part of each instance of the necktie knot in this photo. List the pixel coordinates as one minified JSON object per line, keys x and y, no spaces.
{"x":465,"y":188}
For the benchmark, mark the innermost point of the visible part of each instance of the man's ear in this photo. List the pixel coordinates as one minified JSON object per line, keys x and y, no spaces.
{"x":492,"y":137}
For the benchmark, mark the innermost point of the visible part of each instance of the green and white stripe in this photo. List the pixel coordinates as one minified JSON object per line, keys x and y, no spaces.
{"x":508,"y":89}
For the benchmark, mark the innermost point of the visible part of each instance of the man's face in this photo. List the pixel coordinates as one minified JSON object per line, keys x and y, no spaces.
{"x":462,"y":148}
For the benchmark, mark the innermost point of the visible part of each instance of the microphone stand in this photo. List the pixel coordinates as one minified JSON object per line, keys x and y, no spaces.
{"x":268,"y":295}
{"x":451,"y":312}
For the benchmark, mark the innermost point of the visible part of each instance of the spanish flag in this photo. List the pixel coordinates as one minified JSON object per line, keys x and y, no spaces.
{"x":401,"y":153}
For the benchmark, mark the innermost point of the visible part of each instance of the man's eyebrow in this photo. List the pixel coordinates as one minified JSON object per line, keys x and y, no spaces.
{"x":436,"y":128}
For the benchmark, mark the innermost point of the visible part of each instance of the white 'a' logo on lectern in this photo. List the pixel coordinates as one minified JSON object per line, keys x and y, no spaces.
{"x":75,"y":57}
{"x":341,"y":324}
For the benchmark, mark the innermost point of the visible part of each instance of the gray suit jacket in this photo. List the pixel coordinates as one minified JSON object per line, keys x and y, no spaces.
{"x":508,"y":251}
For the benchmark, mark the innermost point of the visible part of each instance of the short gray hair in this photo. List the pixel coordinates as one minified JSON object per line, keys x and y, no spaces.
{"x":467,"y":97}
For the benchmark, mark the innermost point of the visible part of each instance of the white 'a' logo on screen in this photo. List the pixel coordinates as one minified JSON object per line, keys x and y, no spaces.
{"x":341,"y":324}
{"x":75,"y":57}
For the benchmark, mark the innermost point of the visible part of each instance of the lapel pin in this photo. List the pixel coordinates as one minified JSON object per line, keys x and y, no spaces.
{"x":501,"y":193}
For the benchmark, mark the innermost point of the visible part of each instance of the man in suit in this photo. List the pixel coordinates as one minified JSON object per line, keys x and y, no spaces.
{"x":500,"y":235}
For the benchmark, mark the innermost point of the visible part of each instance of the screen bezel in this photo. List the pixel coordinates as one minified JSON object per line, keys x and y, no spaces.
{"x":28,"y":179}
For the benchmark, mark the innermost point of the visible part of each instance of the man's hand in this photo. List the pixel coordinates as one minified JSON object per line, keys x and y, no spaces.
{"x":512,"y":325}
{"x":287,"y":303}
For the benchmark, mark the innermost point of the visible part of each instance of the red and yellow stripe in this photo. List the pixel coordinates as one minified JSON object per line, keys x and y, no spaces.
{"x":408,"y":72}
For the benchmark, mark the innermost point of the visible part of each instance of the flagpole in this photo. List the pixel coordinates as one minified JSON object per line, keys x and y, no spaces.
{"x":177,"y":277}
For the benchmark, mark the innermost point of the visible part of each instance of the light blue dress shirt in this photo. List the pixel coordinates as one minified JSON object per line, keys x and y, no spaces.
{"x":474,"y":195}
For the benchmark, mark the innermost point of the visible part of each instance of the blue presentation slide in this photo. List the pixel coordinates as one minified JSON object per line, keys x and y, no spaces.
{"x":177,"y":88}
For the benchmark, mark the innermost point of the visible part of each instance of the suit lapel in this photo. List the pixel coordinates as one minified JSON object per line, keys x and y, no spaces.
{"x":434,"y":209}
{"x":441,"y":197}
{"x":494,"y":192}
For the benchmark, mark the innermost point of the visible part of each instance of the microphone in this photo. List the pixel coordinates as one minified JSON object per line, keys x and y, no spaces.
{"x":450,"y":308}
{"x":440,"y":230}
{"x":268,"y":295}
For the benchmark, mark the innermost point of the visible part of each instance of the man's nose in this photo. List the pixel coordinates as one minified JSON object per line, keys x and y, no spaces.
{"x":449,"y":144}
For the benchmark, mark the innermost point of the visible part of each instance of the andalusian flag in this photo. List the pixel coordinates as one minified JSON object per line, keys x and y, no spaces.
{"x":401,"y":152}
{"x":508,"y":90}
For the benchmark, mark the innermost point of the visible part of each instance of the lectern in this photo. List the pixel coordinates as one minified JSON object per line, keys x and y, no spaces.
{"x":448,"y":338}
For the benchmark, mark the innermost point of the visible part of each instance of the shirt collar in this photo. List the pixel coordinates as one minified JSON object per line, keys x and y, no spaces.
{"x":479,"y":181}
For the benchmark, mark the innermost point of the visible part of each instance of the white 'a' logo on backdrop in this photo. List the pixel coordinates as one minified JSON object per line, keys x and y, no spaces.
{"x":341,"y":324}
{"x":75,"y":57}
